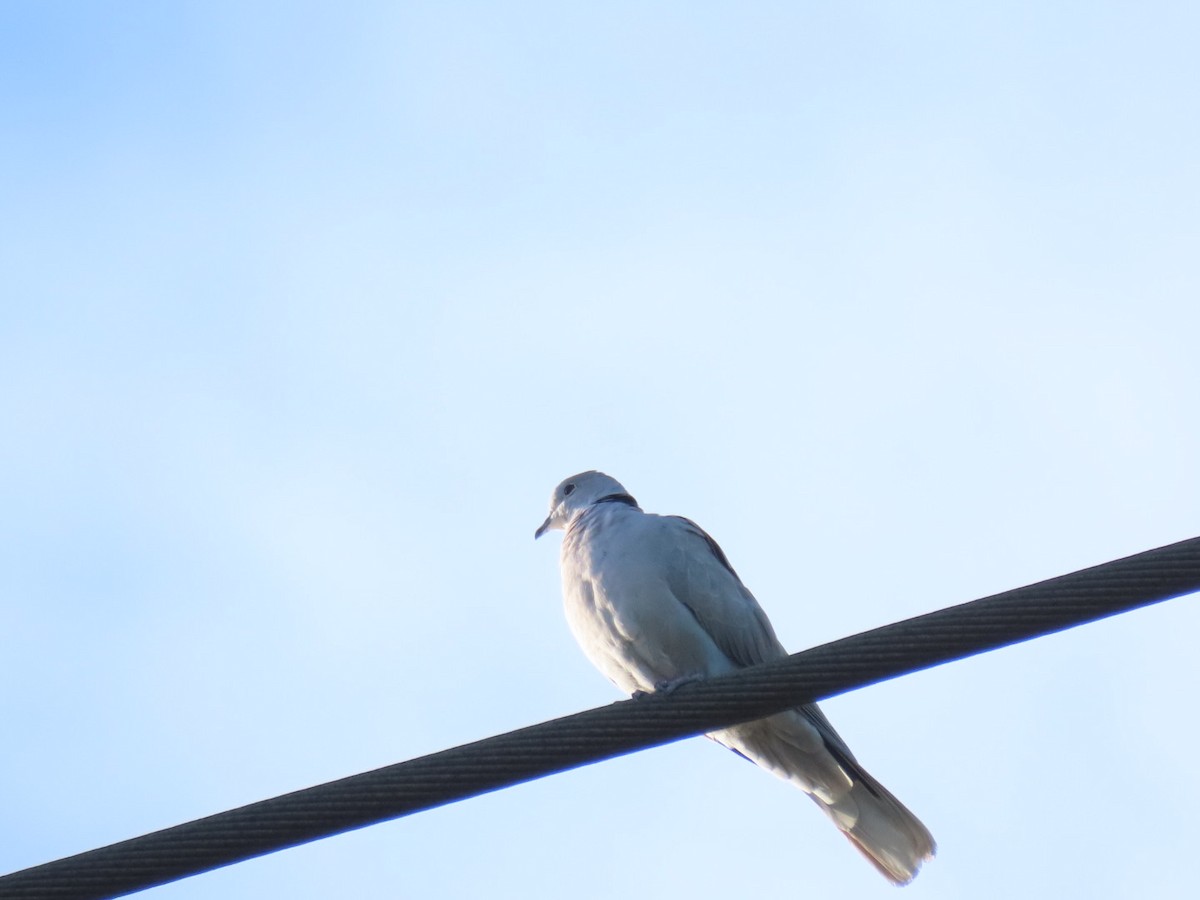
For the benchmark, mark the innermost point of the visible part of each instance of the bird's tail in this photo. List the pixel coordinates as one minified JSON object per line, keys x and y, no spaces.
{"x":881,"y":827}
{"x":803,"y":748}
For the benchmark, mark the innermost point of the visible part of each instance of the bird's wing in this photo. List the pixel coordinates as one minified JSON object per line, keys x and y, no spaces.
{"x":704,"y":581}
{"x":701,"y":578}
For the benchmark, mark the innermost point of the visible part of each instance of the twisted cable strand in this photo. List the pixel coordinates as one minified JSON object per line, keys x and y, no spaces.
{"x":609,"y":731}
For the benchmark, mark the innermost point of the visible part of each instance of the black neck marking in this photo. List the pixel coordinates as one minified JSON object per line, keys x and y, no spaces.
{"x":619,"y":498}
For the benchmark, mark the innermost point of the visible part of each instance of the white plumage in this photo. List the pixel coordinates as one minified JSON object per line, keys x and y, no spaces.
{"x":653,"y":602}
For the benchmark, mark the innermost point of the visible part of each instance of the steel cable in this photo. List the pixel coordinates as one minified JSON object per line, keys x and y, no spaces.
{"x":609,"y":731}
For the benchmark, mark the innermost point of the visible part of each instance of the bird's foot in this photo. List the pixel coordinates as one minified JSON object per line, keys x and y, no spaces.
{"x":667,"y":687}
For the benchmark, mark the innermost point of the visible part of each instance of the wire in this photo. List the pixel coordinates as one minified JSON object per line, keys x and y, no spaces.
{"x":609,"y":731}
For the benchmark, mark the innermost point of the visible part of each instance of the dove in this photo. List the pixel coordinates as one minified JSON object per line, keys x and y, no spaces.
{"x":654,"y":603}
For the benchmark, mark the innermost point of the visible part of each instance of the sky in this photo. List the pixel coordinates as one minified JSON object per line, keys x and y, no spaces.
{"x":306,"y":309}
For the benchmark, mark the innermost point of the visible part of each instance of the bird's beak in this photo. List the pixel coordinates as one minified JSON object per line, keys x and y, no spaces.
{"x":542,"y":529}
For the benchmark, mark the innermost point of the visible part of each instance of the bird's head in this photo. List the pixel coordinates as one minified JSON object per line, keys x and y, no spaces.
{"x":576,"y":494}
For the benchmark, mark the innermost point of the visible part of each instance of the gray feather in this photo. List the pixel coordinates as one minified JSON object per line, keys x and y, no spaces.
{"x":653,"y":600}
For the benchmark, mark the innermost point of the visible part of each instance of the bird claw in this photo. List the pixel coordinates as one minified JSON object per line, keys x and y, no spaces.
{"x":667,"y":687}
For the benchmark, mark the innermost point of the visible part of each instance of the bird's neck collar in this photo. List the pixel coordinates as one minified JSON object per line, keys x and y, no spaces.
{"x":618,"y":498}
{"x":592,"y":512}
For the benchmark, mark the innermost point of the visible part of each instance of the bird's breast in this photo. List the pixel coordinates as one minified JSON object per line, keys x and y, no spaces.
{"x":623,"y":613}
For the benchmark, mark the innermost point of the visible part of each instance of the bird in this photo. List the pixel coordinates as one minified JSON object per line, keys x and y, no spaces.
{"x":654,"y":603}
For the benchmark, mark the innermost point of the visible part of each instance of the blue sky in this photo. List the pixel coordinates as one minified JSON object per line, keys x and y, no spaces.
{"x":306,"y":311}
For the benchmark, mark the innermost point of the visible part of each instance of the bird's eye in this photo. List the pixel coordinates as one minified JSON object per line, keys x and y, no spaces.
{"x":568,"y":490}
